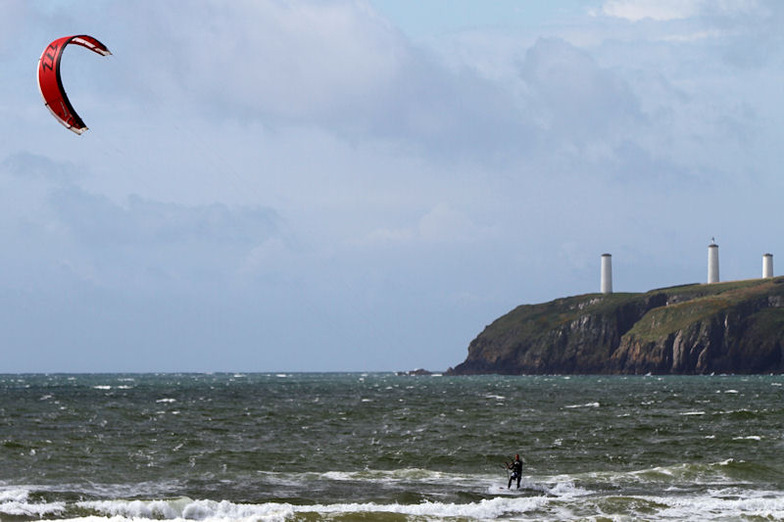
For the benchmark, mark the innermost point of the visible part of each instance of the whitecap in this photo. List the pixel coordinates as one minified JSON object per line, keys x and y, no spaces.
{"x":587,"y":405}
{"x":13,"y":495}
{"x":750,"y":505}
{"x":487,"y":509}
{"x":15,"y":502}
{"x":26,"y":509}
{"x":153,"y":509}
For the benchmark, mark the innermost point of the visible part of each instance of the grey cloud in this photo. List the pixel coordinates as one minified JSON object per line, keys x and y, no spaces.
{"x":754,"y":38}
{"x":98,"y":221}
{"x":452,"y":114}
{"x":58,"y":233}
{"x":35,"y":166}
{"x":574,"y":97}
{"x":338,"y":66}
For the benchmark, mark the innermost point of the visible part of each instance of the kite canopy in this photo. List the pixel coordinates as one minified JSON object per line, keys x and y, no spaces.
{"x":51,"y":85}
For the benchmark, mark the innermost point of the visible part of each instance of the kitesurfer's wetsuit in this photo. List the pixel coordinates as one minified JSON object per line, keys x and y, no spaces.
{"x":517,"y":472}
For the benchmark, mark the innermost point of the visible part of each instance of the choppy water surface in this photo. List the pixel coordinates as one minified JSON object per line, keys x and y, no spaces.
{"x":386,"y":447}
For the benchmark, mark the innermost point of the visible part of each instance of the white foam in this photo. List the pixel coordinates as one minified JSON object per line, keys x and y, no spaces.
{"x":154,"y":509}
{"x":587,"y":405}
{"x":719,"y":504}
{"x":763,"y":505}
{"x":15,"y":502}
{"x":13,"y":495}
{"x":186,"y":509}
{"x":482,"y":510}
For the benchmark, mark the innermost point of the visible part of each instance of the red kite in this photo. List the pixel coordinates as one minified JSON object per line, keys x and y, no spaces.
{"x":51,"y":85}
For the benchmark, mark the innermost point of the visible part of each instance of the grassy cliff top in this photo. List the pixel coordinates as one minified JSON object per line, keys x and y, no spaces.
{"x":699,"y":302}
{"x":682,"y":305}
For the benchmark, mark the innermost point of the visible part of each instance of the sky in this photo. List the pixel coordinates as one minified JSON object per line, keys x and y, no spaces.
{"x":364,"y":185}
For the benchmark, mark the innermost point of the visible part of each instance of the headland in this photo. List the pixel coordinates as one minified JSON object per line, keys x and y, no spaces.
{"x":734,"y":327}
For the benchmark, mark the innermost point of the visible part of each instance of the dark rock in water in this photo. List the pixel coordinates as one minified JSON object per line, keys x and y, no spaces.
{"x":735,"y":327}
{"x":418,"y":371}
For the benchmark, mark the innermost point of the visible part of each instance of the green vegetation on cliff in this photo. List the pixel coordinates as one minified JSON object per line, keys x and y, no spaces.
{"x":735,"y":327}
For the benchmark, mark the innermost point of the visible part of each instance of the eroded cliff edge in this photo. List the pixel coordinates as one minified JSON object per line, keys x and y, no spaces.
{"x":735,"y":327}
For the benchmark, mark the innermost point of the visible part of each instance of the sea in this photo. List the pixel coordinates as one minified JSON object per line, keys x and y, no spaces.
{"x":387,"y":447}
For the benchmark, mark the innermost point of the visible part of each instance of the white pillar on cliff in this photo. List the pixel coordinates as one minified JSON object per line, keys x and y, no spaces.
{"x":713,"y":263}
{"x":606,"y":280}
{"x":767,"y":265}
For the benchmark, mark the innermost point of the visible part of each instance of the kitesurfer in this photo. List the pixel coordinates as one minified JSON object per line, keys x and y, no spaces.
{"x":517,"y":471}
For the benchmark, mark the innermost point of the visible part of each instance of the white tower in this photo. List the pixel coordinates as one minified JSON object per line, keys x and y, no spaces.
{"x":606,"y":282}
{"x":767,"y":265}
{"x":713,"y":263}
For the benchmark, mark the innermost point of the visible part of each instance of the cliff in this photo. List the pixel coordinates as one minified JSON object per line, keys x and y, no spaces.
{"x":735,"y":327}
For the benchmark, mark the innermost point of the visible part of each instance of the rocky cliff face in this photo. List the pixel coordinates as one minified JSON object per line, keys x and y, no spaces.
{"x":720,"y":328}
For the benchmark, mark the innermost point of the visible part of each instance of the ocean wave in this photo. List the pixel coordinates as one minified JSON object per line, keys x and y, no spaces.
{"x":558,"y":497}
{"x":224,"y":511}
{"x":718,"y":504}
{"x":16,"y":502}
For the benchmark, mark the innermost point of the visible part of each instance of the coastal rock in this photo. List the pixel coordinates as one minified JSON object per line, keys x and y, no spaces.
{"x":417,"y":372}
{"x":735,"y":327}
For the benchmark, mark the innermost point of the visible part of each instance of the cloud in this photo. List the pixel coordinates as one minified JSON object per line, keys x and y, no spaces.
{"x":159,"y":245}
{"x":670,"y":10}
{"x":338,"y":66}
{"x":659,"y":10}
{"x":95,"y":220}
{"x":26,"y":165}
{"x":441,"y":225}
{"x":150,"y":242}
{"x":574,"y":98}
{"x":293,"y":62}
